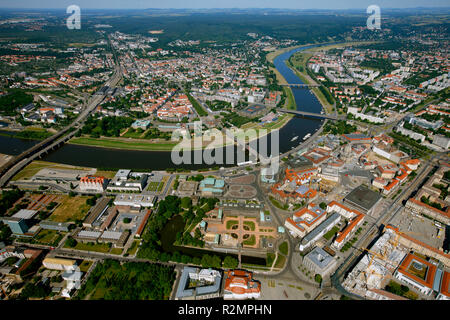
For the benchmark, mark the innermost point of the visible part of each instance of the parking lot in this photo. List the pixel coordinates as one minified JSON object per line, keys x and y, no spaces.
{"x":419,"y":228}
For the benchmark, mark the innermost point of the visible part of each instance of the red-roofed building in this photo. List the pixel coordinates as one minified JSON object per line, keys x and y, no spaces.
{"x":417,"y":272}
{"x":305,"y":220}
{"x":419,"y":207}
{"x":239,"y":284}
{"x":93,"y":183}
{"x":356,"y":219}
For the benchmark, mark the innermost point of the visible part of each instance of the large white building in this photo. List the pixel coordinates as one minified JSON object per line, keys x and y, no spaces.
{"x":60,"y":264}
{"x":135,"y":200}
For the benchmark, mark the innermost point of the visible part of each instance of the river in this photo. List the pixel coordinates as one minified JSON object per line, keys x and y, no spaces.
{"x":160,"y":160}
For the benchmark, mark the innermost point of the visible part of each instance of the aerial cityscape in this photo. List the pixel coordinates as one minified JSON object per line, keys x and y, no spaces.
{"x":224,"y":154}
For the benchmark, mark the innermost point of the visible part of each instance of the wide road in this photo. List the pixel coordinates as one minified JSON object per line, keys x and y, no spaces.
{"x":11,"y":168}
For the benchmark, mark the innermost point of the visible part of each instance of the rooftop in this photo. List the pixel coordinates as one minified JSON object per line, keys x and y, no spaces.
{"x":363,"y":198}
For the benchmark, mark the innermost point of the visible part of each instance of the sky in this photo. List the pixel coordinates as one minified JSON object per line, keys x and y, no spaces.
{"x":198,"y":4}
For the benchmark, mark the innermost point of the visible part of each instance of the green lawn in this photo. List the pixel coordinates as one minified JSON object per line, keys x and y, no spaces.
{"x":250,"y":224}
{"x":153,"y":186}
{"x":330,"y":234}
{"x":277,"y":204}
{"x":270,"y":259}
{"x":90,"y":246}
{"x":85,"y":265}
{"x":280,"y":261}
{"x":133,"y":248}
{"x":123,"y":144}
{"x":117,"y":251}
{"x":283,"y":248}
{"x":48,"y":237}
{"x":231,"y":223}
{"x":251,"y":241}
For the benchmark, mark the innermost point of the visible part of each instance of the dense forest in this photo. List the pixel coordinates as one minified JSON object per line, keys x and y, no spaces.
{"x":107,"y":126}
{"x":9,"y":103}
{"x":111,"y":280}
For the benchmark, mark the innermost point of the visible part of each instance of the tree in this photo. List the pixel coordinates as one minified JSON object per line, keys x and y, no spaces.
{"x":323,"y":205}
{"x":5,"y":232}
{"x":318,"y":278}
{"x":230,"y":262}
{"x":71,"y":242}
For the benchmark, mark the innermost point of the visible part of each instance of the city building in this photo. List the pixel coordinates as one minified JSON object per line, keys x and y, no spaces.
{"x":305,"y":220}
{"x":125,"y":181}
{"x":97,"y":211}
{"x":198,"y":284}
{"x":212,"y":187}
{"x":93,"y":184}
{"x":362,"y":199}
{"x":418,"y":273}
{"x":239,"y":284}
{"x":311,"y":238}
{"x":135,"y":201}
{"x":319,"y":262}
{"x":421,"y":208}
{"x":441,"y":141}
{"x":21,"y":221}
{"x":60,"y":264}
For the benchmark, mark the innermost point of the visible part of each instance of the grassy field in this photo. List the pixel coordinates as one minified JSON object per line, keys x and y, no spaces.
{"x":280,"y":261}
{"x":48,"y":237}
{"x":90,"y":246}
{"x":231,"y":223}
{"x":283,"y":248}
{"x":106,"y":174}
{"x":123,"y":144}
{"x":85,"y":265}
{"x":250,"y":224}
{"x":35,"y":166}
{"x":71,"y":209}
{"x":330,"y":234}
{"x":133,"y":248}
{"x":290,"y":101}
{"x":117,"y":251}
{"x":251,"y":241}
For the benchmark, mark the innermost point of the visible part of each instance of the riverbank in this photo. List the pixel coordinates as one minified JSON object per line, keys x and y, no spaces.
{"x":303,"y":58}
{"x":260,"y":130}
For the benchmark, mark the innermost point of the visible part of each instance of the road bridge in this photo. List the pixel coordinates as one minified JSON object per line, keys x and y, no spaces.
{"x":301,"y":85}
{"x":12,"y":167}
{"x":310,"y":114}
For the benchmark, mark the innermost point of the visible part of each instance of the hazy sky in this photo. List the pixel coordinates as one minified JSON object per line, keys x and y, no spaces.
{"x":288,"y":4}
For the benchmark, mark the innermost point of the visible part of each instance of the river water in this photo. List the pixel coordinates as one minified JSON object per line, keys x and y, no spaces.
{"x":160,"y":160}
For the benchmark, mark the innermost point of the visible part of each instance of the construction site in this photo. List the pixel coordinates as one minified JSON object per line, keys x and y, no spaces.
{"x":386,"y":259}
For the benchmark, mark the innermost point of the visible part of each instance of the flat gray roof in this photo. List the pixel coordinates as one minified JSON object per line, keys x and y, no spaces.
{"x":320,"y":257}
{"x":331,"y":219}
{"x":25,"y":214}
{"x":183,"y":291}
{"x":362,"y":197}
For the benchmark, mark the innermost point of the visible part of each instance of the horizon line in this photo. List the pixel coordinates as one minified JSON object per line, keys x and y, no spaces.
{"x":233,"y":8}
